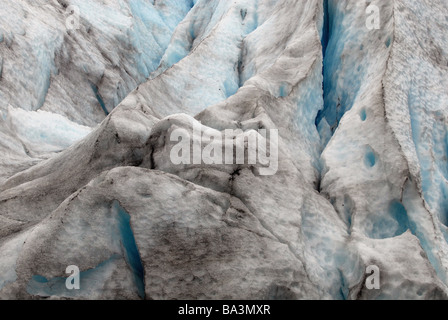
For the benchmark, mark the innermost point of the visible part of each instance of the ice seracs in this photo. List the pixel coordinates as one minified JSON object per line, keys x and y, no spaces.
{"x":361,"y":151}
{"x":80,"y":74}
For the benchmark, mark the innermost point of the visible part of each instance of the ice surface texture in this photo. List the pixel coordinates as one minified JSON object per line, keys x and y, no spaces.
{"x":86,"y":178}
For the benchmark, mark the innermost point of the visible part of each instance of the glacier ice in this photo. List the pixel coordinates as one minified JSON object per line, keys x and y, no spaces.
{"x":75,"y":73}
{"x":86,"y":177}
{"x":44,"y":132}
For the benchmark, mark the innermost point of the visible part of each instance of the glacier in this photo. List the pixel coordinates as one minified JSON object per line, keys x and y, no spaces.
{"x":87,"y":116}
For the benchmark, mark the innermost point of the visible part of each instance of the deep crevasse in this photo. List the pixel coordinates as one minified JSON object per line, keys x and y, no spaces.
{"x":357,"y":99}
